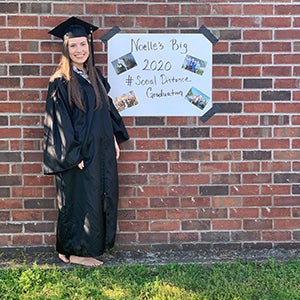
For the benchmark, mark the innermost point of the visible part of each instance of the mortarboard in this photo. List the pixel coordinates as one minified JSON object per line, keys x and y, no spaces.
{"x":74,"y":27}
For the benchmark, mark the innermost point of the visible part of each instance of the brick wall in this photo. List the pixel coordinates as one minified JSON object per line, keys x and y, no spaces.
{"x":231,"y":182}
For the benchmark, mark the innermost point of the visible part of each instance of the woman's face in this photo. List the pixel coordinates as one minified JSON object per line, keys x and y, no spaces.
{"x":79,"y":51}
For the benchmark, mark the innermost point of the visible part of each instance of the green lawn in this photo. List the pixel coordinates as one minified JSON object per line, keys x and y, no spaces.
{"x":239,"y":280}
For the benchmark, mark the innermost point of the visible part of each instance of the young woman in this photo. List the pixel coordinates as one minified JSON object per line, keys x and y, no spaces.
{"x":82,"y":131}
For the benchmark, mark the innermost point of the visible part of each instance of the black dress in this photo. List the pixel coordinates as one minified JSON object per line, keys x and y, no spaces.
{"x":88,"y":198}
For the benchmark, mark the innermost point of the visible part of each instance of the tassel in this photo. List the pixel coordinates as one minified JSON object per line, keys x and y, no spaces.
{"x":92,"y":47}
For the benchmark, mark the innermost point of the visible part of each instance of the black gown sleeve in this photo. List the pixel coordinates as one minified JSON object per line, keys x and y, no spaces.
{"x":120,"y":130}
{"x":61,"y":149}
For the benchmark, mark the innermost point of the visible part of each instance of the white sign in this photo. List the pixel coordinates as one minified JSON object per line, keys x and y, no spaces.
{"x":160,"y":74}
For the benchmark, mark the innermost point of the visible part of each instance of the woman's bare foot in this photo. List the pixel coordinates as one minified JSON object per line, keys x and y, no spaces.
{"x":85,"y":261}
{"x":63,"y":258}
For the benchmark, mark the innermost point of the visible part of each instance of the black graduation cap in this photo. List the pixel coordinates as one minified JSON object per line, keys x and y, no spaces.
{"x":74,"y":27}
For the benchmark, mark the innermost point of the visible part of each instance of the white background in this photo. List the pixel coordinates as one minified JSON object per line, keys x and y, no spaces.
{"x":167,"y":51}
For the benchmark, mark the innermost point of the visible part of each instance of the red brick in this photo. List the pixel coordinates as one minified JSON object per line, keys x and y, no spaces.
{"x":194,"y":9}
{"x":4,"y":216}
{"x":195,"y":156}
{"x":276,"y":235}
{"x":152,"y":168}
{"x":276,"y":212}
{"x":133,"y":202}
{"x":226,"y":224}
{"x":194,"y":179}
{"x":226,"y":202}
{"x":220,"y":71}
{"x":27,"y":240}
{"x":227,"y":9}
{"x":276,"y":46}
{"x":165,"y":226}
{"x":214,"y":167}
{"x":226,"y":155}
{"x":275,"y":189}
{"x":243,"y":144}
{"x":133,"y":179}
{"x":126,"y":214}
{"x":175,"y":22}
{"x":166,"y":202}
{"x":33,"y":107}
{"x":71,"y":9}
{"x":257,"y":178}
{"x":184,"y":237}
{"x":183,"y":214}
{"x":10,"y":227}
{"x":275,"y":143}
{"x":286,"y":200}
{"x":243,"y":213}
{"x":18,"y":215}
{"x":213,"y":213}
{"x":123,"y":22}
{"x":163,"y":179}
{"x":260,"y":59}
{"x":5,"y":240}
{"x":244,"y":22}
{"x":178,"y":167}
{"x":152,"y":191}
{"x":244,"y":120}
{"x":134,"y":156}
{"x":226,"y":179}
{"x":134,"y":226}
{"x":147,"y":144}
{"x":257,"y":224}
{"x":195,"y":202}
{"x":285,"y":83}
{"x":132,"y":9}
{"x":126,"y":167}
{"x":20,"y":21}
{"x":292,"y":223}
{"x":246,"y":72}
{"x":101,"y":8}
{"x":50,"y":239}
{"x":275,"y":166}
{"x":151,"y":214}
{"x":183,"y":190}
{"x":126,"y":238}
{"x":10,"y":132}
{"x":258,"y":9}
{"x":233,"y":83}
{"x":257,"y":201}
{"x":257,"y":35}
{"x":244,"y":190}
{"x":50,"y":215}
{"x":24,"y":96}
{"x":296,"y":212}
{"x":286,"y":59}
{"x":276,"y":22}
{"x":246,"y":236}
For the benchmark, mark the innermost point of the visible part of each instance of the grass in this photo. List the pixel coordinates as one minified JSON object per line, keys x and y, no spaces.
{"x":239,"y":280}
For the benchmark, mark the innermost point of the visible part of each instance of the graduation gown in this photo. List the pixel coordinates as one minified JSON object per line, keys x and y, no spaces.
{"x":88,"y":198}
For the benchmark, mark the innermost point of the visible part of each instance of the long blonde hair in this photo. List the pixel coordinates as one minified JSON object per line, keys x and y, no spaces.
{"x":65,"y":70}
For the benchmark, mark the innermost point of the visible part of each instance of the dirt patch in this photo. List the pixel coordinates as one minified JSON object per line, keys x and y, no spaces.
{"x":47,"y":256}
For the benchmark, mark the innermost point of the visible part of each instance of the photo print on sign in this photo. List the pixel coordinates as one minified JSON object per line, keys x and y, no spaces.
{"x":197,"y":98}
{"x":194,"y":64}
{"x":125,"y":101}
{"x":124,"y":63}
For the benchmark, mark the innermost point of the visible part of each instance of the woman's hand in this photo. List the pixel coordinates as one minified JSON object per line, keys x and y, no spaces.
{"x":117,"y":148}
{"x":81,"y":165}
